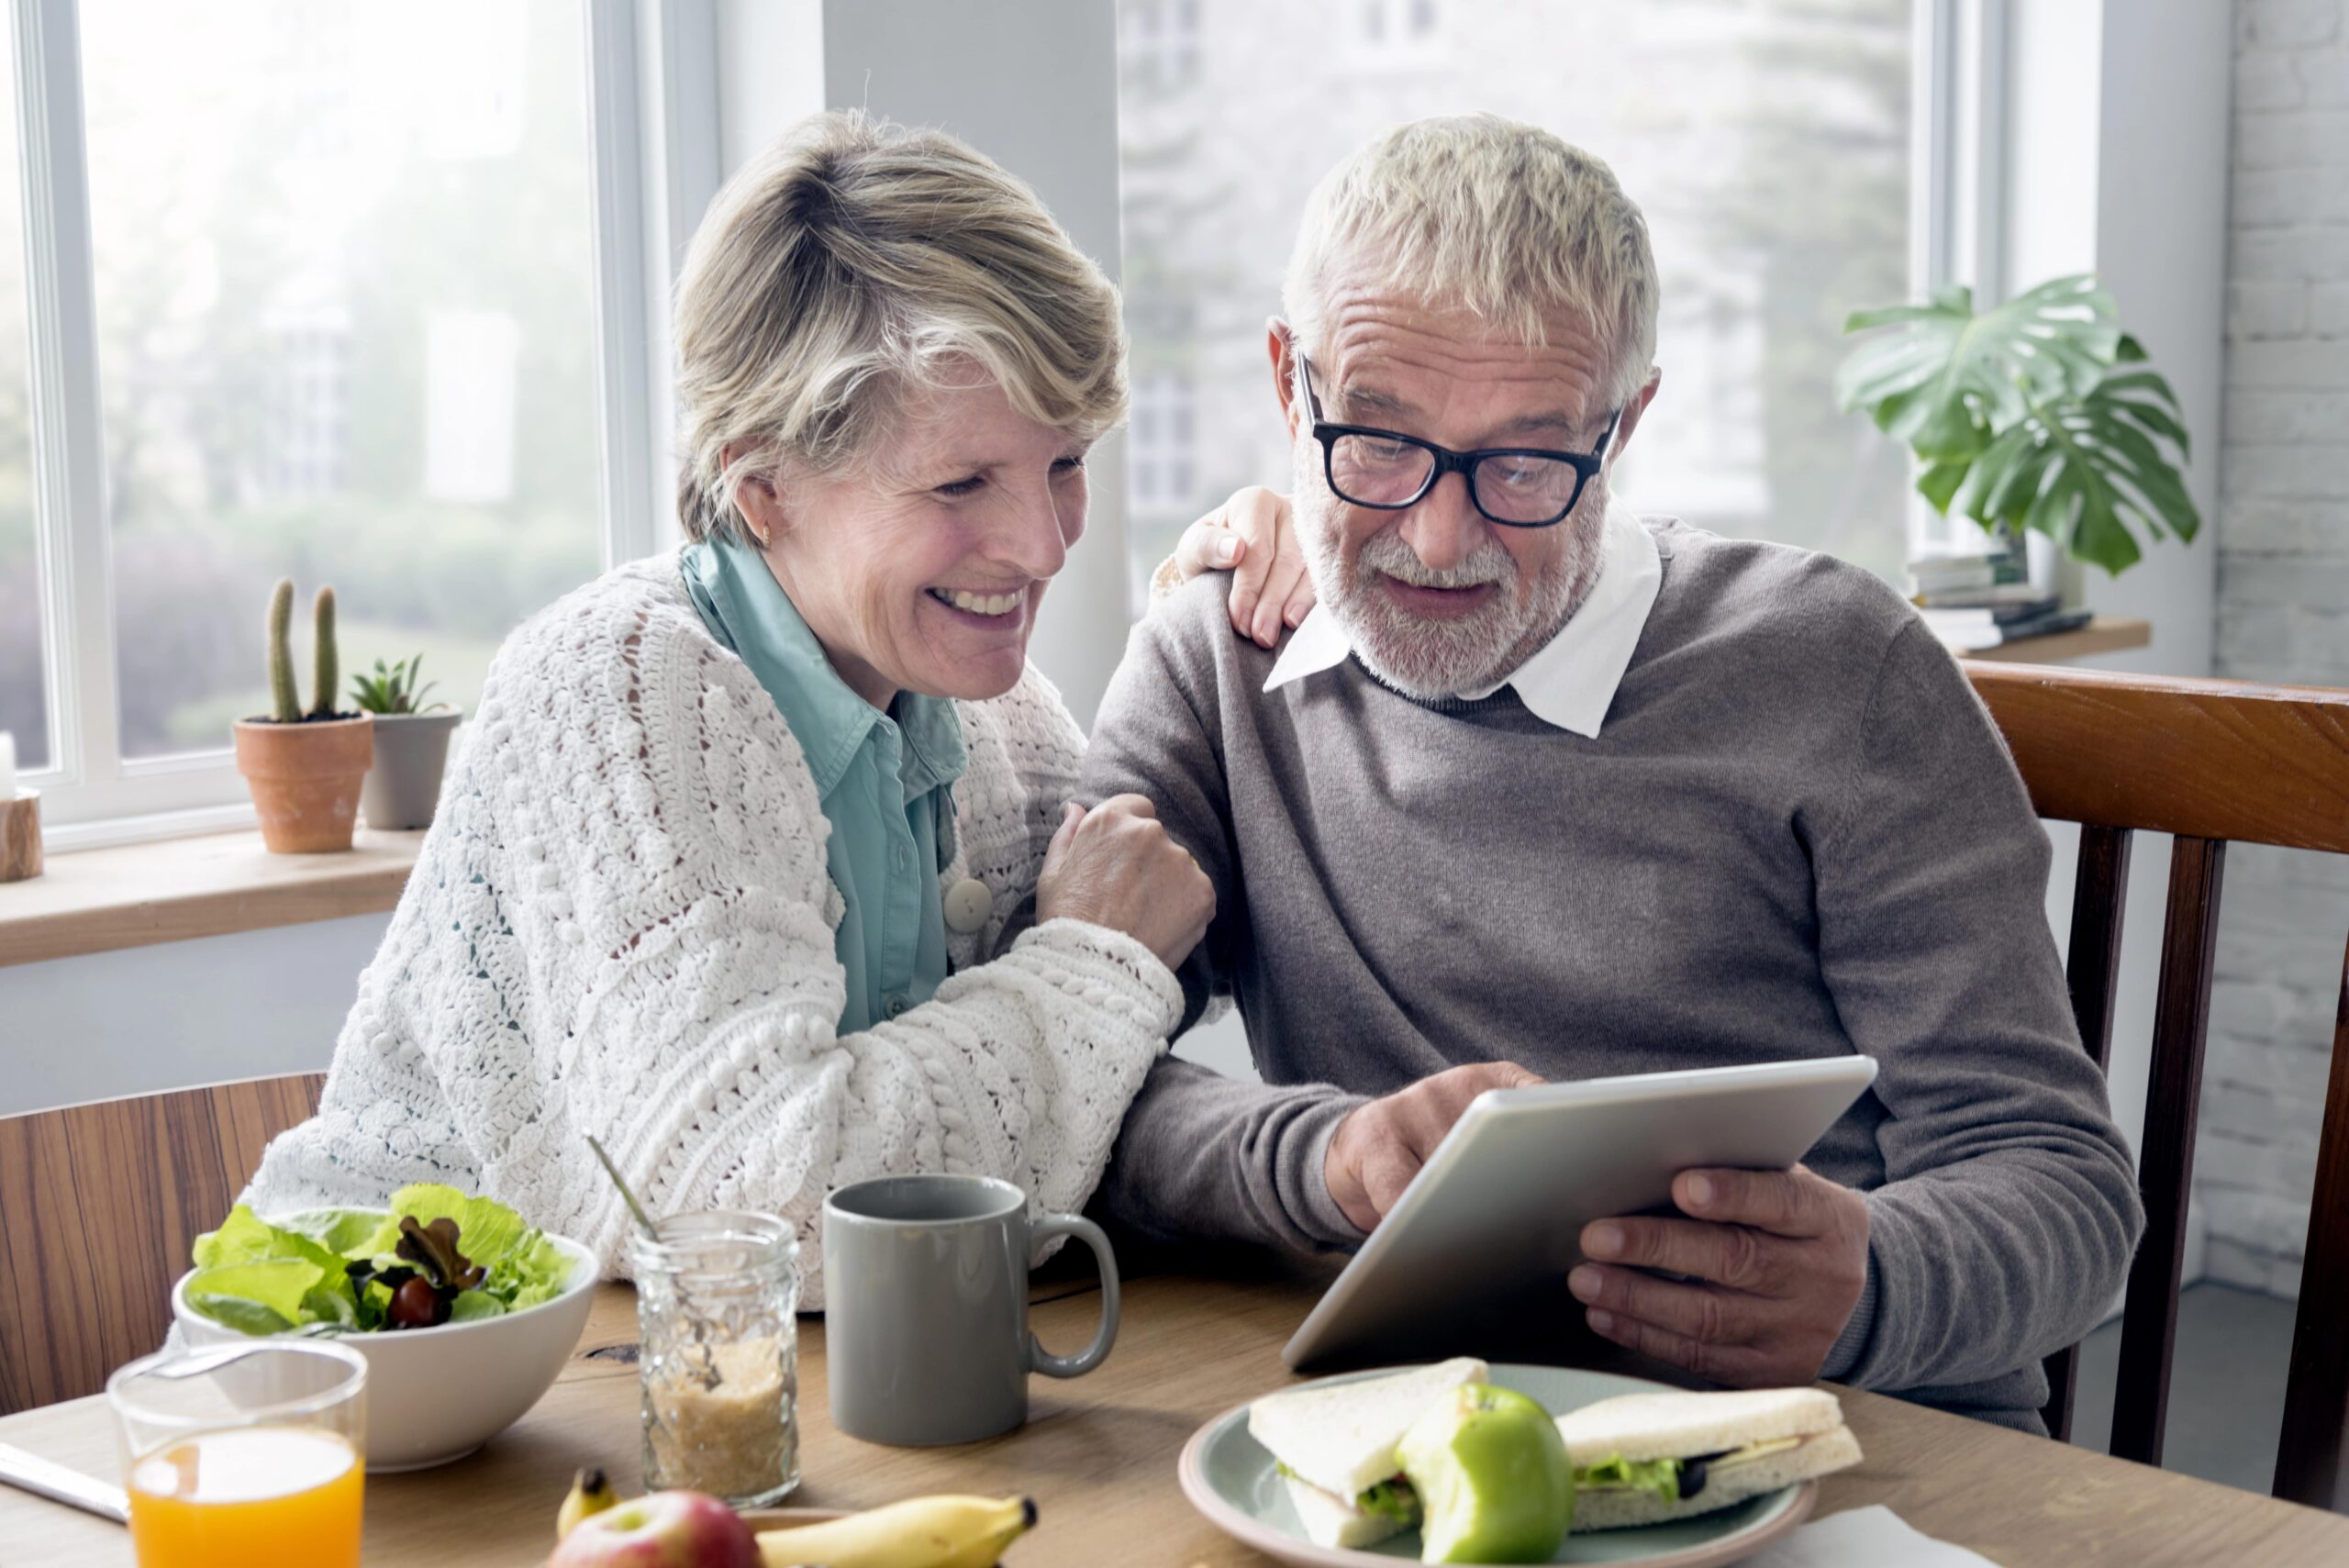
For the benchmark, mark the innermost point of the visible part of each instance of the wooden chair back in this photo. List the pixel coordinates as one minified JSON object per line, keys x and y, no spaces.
{"x":2211,"y":762}
{"x":99,"y":1205}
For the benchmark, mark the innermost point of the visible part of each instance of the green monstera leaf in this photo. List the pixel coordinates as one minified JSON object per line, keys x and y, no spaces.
{"x":2081,"y":470}
{"x":2037,"y":413}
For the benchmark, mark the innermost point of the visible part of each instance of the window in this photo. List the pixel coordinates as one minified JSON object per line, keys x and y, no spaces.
{"x":326,"y":289}
{"x":1767,"y":141}
{"x":387,"y":238}
{"x":24,"y":665}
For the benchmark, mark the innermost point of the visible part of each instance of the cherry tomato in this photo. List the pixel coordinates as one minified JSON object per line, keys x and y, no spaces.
{"x":414,"y":1304}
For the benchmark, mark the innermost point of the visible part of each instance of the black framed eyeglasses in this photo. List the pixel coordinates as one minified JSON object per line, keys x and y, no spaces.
{"x":1518,"y":487}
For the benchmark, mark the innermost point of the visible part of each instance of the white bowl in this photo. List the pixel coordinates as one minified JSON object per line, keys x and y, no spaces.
{"x":435,"y":1395}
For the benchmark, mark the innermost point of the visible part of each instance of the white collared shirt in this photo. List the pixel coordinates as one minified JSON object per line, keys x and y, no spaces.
{"x":1571,"y":679}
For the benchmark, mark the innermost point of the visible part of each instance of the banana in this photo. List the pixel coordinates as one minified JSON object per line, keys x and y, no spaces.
{"x":922,"y":1533}
{"x":590,"y":1493}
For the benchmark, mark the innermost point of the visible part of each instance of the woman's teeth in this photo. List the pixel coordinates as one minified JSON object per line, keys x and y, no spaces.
{"x":980,"y":604}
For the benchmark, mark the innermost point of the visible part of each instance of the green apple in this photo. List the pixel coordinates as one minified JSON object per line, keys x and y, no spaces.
{"x":1492,"y":1476}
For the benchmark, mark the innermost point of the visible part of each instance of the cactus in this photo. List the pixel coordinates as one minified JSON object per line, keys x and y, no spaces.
{"x":323,"y":674}
{"x":284,"y":703}
{"x":284,"y":700}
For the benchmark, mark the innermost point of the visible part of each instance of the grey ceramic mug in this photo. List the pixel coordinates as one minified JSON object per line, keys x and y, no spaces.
{"x":926,"y":1336}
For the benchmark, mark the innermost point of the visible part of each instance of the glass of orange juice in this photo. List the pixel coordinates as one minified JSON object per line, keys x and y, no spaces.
{"x":244,"y":1455}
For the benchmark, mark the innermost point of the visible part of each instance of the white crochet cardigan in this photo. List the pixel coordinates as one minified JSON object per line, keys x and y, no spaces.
{"x":622,"y":925}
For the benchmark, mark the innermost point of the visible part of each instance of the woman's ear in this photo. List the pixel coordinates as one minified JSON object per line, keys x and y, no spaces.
{"x":761,"y":507}
{"x":759,"y":502}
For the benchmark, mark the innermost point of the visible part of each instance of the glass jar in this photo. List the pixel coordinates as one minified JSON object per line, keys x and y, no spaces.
{"x":717,"y":1298}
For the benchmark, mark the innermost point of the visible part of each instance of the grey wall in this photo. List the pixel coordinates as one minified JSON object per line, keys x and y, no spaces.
{"x":2283,"y":614}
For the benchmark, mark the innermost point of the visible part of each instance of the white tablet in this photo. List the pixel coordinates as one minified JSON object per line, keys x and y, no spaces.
{"x":1497,"y":1211}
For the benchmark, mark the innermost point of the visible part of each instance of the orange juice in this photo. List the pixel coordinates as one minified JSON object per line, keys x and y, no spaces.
{"x":247,"y":1497}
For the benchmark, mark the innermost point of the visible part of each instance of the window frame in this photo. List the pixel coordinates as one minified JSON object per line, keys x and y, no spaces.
{"x":1958,"y":121}
{"x":652,"y":118}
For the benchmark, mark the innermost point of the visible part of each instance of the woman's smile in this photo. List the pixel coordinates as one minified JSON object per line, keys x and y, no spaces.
{"x":995,"y":606}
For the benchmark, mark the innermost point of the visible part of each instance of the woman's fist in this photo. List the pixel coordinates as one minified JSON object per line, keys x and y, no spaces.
{"x":1115,"y":866}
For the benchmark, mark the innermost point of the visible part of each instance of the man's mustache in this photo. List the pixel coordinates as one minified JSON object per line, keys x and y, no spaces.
{"x":1387,"y":552}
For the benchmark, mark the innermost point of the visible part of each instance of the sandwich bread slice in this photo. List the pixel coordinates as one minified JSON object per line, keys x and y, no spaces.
{"x":1335,"y":1446}
{"x":1641,"y":1459}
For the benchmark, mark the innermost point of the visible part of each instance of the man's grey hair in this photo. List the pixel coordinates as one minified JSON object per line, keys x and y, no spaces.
{"x":1479,"y":212}
{"x":849,"y":269}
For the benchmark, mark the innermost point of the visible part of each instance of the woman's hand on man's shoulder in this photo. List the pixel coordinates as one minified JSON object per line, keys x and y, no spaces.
{"x":1254,"y":537}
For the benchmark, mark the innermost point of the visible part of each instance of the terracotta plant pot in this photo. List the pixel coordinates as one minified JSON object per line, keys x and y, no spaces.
{"x":411,"y":754}
{"x":305,"y":778}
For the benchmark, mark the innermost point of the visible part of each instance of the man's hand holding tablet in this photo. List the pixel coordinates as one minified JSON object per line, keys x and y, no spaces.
{"x":1379,"y":1147}
{"x":1771,"y":1263}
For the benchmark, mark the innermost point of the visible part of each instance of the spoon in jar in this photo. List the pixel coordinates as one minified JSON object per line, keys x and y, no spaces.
{"x":644,"y":1220}
{"x":707,"y":1371}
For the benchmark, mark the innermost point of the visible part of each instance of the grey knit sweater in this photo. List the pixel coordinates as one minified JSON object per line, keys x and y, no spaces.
{"x":1797,"y":835}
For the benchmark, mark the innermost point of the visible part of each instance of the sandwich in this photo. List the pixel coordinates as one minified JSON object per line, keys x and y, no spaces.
{"x":1641,"y":1459}
{"x":1335,"y":1446}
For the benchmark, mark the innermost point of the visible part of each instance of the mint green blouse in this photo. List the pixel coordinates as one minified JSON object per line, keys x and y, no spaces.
{"x":886,"y":782}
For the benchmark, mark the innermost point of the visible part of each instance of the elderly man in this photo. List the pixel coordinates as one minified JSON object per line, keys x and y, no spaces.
{"x":1546,"y":790}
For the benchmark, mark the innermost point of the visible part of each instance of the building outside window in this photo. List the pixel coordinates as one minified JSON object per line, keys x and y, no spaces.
{"x":1159,"y":43}
{"x":302,"y":448}
{"x":1159,"y":457}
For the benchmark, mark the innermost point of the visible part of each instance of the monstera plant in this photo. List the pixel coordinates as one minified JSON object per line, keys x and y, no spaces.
{"x":2040,"y":413}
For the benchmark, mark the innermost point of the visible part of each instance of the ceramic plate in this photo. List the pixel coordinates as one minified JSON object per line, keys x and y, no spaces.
{"x":1230,"y":1478}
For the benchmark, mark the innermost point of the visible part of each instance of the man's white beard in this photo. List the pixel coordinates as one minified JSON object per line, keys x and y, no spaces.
{"x":1423,"y":656}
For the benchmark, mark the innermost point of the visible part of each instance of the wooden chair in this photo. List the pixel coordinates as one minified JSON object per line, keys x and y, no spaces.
{"x":2209,"y":762}
{"x":99,"y":1205}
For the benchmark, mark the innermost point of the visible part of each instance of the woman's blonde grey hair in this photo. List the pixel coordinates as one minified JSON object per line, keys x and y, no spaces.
{"x":850,"y":267}
{"x":1484,"y":214}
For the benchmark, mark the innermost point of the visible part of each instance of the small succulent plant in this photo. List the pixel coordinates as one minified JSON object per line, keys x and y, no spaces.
{"x":394,"y":690}
{"x":285,"y":701}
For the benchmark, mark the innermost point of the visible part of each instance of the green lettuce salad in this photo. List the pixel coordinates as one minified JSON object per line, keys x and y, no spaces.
{"x":437,"y":1256}
{"x":1660,"y":1476}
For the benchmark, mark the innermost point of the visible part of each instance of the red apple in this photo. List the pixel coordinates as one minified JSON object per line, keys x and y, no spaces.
{"x":665,"y":1529}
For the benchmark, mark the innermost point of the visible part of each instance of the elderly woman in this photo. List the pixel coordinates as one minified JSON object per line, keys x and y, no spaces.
{"x":759,"y":864}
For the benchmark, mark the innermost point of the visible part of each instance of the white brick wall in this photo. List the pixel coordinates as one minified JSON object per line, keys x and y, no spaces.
{"x":2283,"y":614}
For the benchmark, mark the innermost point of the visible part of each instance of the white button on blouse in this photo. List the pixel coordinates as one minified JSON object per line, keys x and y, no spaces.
{"x":968,"y":903}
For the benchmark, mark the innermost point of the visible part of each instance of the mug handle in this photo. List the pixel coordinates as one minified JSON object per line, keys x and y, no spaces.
{"x":1047,"y":1227}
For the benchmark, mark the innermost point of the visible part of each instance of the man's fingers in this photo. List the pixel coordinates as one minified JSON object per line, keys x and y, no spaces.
{"x":1729,"y":1255}
{"x":1701,"y":1312}
{"x":1717,"y":1363}
{"x":1785,"y":1203}
{"x":1386,"y":1169}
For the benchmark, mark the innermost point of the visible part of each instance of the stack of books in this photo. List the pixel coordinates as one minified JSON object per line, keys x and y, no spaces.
{"x":1973,"y":602}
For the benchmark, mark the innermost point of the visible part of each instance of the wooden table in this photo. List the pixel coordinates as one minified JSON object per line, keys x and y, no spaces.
{"x":1098,"y":1455}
